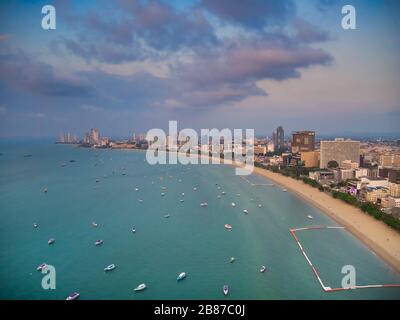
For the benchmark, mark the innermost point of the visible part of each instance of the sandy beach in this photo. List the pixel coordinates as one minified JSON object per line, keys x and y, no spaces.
{"x":380,"y":238}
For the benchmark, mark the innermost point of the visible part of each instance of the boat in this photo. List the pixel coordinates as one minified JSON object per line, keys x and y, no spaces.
{"x":51,"y":241}
{"x":181,"y":201}
{"x":263,"y":268}
{"x":35,"y":225}
{"x":45,"y":190}
{"x":260,"y":206}
{"x":140,"y":287}
{"x":310,"y":216}
{"x":203,"y":204}
{"x":41,"y":267}
{"x":133,"y":229}
{"x":284,"y":190}
{"x":140,"y":200}
{"x":233,"y":204}
{"x":110,"y":267}
{"x":167,"y":216}
{"x":218,"y":196}
{"x":194,"y":189}
{"x":245,"y":211}
{"x":223,"y":193}
{"x":182,"y":194}
{"x":228,"y":227}
{"x":98,"y":242}
{"x":232,"y":260}
{"x":162,"y":194}
{"x":181,"y":276}
{"x":136,"y":189}
{"x":238,"y":195}
{"x":73,"y":296}
{"x":225,"y":289}
{"x":94,"y":224}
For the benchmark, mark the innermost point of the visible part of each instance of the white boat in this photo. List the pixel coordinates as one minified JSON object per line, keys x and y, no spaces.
{"x":245,"y":211}
{"x":35,"y":225}
{"x":51,"y":241}
{"x":73,"y":296}
{"x":110,"y":267}
{"x":232,"y":260}
{"x":310,"y":216}
{"x":203,"y":204}
{"x":167,"y":216}
{"x":181,"y":276}
{"x":260,"y":206}
{"x":228,"y":227}
{"x":140,"y":287}
{"x":238,"y":195}
{"x":182,"y":194}
{"x":219,"y":196}
{"x":162,"y":194}
{"x":263,"y":268}
{"x":94,"y":224}
{"x":225,"y":289}
{"x":284,"y":190}
{"x":41,"y":267}
{"x":133,"y":229}
{"x":136,"y":189}
{"x":223,"y":193}
{"x":194,"y":189}
{"x":98,"y":242}
{"x":181,"y":201}
{"x":233,"y":204}
{"x":140,"y":200}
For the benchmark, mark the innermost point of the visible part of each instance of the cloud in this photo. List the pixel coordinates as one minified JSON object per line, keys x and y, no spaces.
{"x":4,"y":37}
{"x":309,"y":33}
{"x":251,"y":13}
{"x":91,"y":108}
{"x":20,"y":70}
{"x":3,"y":110}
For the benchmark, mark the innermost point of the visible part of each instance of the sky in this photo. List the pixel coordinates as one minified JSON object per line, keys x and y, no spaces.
{"x":128,"y":66}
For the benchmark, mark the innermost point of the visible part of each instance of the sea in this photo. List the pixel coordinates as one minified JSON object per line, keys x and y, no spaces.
{"x":119,"y":190}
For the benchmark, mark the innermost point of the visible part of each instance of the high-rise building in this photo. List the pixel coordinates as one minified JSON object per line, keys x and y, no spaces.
{"x":339,"y":150}
{"x":279,"y":139}
{"x":94,"y":136}
{"x":303,"y":141}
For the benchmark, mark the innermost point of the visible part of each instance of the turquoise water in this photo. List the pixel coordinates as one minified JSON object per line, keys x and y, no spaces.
{"x":193,"y":239}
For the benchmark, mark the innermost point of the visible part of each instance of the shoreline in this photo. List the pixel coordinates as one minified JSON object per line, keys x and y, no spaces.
{"x":378,"y":237}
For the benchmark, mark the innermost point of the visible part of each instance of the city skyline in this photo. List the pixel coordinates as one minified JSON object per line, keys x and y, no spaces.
{"x":135,"y":65}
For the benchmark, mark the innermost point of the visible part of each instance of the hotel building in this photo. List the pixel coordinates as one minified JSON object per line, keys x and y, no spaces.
{"x":339,"y":150}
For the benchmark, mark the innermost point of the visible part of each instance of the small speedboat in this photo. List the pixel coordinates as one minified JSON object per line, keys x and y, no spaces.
{"x":225,"y":289}
{"x":162,"y":194}
{"x":98,"y":242}
{"x":245,"y":211}
{"x":263,"y":268}
{"x":94,"y":224}
{"x":45,"y":190}
{"x":218,"y":196}
{"x":223,"y":193}
{"x":310,"y":216}
{"x":140,"y":287}
{"x":181,"y":201}
{"x":41,"y":267}
{"x":35,"y":225}
{"x":181,"y":276}
{"x":133,"y":229}
{"x":203,"y":204}
{"x":284,"y":190}
{"x":182,"y":194}
{"x":73,"y":296}
{"x":167,"y":216}
{"x":232,"y":260}
{"x":136,"y":189}
{"x":194,"y":189}
{"x":110,"y":267}
{"x":140,"y":200}
{"x":233,"y":204}
{"x":228,"y":227}
{"x":51,"y":241}
{"x":260,"y":206}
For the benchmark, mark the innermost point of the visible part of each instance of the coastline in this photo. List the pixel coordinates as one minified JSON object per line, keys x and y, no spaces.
{"x":377,"y":236}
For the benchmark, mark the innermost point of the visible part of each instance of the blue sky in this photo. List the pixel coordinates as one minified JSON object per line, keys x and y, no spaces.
{"x":132,"y":65}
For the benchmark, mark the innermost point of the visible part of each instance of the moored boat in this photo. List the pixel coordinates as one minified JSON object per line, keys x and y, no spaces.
{"x":51,"y":241}
{"x":225,"y":289}
{"x":263,"y":268}
{"x":73,"y":296}
{"x":232,"y":260}
{"x":181,"y":276}
{"x":94,"y":224}
{"x":110,"y":267}
{"x":228,"y":226}
{"x":41,"y":267}
{"x":133,"y":229}
{"x":35,"y":225}
{"x":98,"y":242}
{"x":140,"y":287}
{"x":233,"y":204}
{"x":245,"y":211}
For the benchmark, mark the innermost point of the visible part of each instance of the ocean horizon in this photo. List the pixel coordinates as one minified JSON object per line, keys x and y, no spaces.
{"x":119,"y":190}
